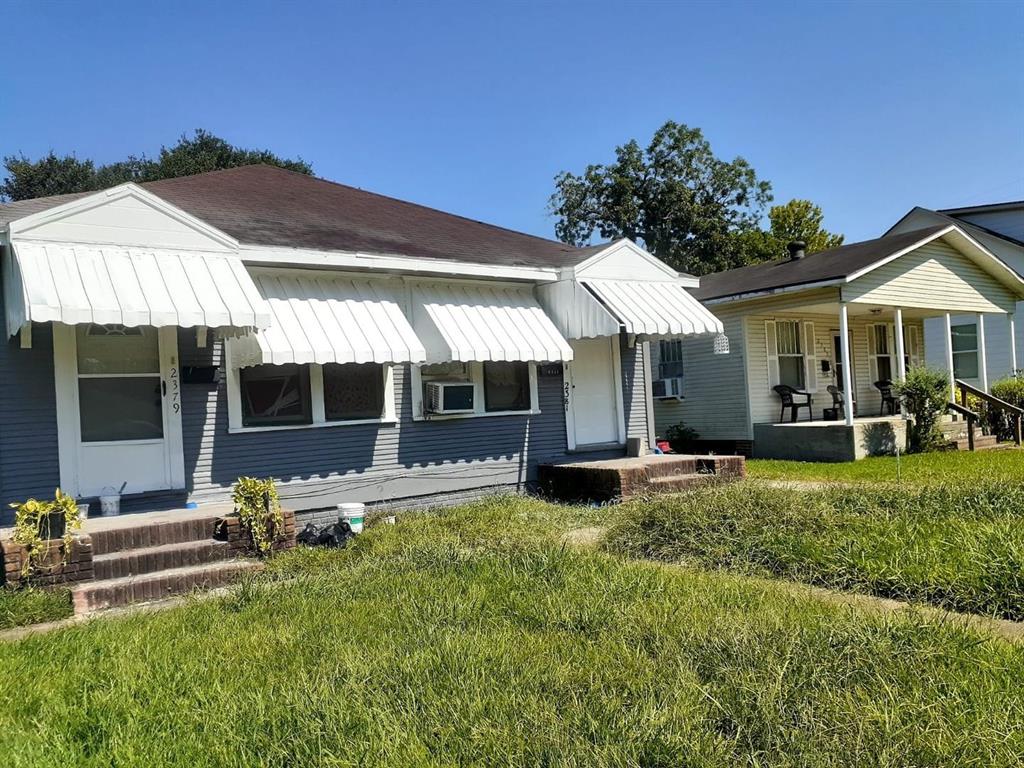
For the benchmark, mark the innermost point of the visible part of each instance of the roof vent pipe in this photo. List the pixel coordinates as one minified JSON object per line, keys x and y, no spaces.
{"x":796,"y":249}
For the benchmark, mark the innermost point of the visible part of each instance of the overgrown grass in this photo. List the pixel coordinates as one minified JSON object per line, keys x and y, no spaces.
{"x":32,"y":606}
{"x":961,"y":548}
{"x":1005,"y":465}
{"x":473,"y":638}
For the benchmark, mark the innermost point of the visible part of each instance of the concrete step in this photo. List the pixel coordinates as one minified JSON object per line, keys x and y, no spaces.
{"x":133,"y":562}
{"x":111,"y":593}
{"x":981,"y":442}
{"x":126,"y":533}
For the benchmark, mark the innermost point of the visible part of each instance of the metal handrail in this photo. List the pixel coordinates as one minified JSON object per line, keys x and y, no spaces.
{"x":971,"y":417}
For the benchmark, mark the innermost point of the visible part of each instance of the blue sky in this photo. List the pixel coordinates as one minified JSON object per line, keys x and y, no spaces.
{"x":867,"y":109}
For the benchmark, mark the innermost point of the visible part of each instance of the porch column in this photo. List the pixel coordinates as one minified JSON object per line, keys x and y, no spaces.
{"x":901,"y":364}
{"x":844,"y":352}
{"x":949,"y":358}
{"x":1013,"y":343}
{"x":982,"y":357}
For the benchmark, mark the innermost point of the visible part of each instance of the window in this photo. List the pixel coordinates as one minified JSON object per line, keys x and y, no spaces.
{"x":353,"y":391}
{"x":790,"y":351}
{"x":670,"y":358}
{"x":965,"y":351}
{"x":883,"y":355}
{"x":506,"y":387}
{"x":275,"y":395}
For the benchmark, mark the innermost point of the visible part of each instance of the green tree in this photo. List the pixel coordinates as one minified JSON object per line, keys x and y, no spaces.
{"x":795,"y":220}
{"x":53,"y":175}
{"x":687,"y":206}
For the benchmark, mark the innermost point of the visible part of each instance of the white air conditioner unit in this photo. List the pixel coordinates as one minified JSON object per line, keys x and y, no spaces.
{"x":668,"y":388}
{"x":450,"y":397}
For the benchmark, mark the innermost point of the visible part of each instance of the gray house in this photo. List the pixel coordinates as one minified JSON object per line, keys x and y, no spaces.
{"x":171,"y":336}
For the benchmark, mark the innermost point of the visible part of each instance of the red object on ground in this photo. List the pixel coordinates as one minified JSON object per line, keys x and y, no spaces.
{"x":664,"y":446}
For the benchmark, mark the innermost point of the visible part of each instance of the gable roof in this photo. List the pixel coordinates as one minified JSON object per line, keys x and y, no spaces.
{"x":984,"y":208}
{"x":946,"y":215}
{"x":263,"y":205}
{"x":833,"y":265}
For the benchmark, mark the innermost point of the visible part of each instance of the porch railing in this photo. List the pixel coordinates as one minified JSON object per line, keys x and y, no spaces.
{"x":1012,"y":412}
{"x":971,"y":417}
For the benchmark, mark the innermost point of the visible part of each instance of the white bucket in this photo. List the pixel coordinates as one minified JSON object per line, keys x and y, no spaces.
{"x":353,"y":513}
{"x":83,"y":512}
{"x":110,"y":505}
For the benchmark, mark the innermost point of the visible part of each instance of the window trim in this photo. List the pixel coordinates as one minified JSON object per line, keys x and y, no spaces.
{"x":676,"y":346}
{"x":476,"y":377}
{"x":316,"y":391}
{"x":801,"y":355}
{"x":976,"y":351}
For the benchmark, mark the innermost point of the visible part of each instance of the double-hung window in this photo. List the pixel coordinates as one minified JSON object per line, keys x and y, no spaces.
{"x":791,"y":353}
{"x":670,"y":358}
{"x":883,"y":355}
{"x":965,"y":351}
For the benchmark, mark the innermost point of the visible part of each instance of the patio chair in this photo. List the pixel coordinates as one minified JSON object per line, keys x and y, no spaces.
{"x":838,"y":409}
{"x":889,"y":400}
{"x":788,"y":396}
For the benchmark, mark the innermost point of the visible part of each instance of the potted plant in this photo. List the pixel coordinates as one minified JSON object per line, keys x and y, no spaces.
{"x":36,"y":523}
{"x":259,"y":510}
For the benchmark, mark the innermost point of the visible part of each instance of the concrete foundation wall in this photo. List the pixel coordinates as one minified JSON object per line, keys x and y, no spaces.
{"x":829,"y":442}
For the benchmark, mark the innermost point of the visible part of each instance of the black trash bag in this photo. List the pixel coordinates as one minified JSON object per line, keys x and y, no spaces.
{"x":309,"y":535}
{"x":336,"y":535}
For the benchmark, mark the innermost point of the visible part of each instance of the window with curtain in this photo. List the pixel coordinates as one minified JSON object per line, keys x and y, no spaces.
{"x":670,"y":358}
{"x":791,"y":353}
{"x":965,"y":351}
{"x":275,"y":395}
{"x":353,"y":391}
{"x":506,"y":387}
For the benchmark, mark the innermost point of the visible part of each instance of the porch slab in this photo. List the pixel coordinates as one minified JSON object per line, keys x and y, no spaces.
{"x":830,"y":441}
{"x":623,"y":478}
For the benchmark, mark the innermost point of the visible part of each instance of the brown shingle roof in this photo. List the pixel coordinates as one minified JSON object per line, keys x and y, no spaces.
{"x":269,"y":206}
{"x":833,"y":264}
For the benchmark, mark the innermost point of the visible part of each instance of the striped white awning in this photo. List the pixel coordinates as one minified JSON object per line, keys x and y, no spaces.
{"x":321,"y":318}
{"x":466,"y":322}
{"x":73,"y":283}
{"x":654,"y":308}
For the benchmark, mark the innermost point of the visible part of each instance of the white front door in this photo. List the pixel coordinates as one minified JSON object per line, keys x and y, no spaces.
{"x":595,"y":393}
{"x":119,"y":408}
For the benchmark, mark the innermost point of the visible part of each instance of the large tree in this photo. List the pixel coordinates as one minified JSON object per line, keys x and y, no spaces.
{"x":795,"y":220}
{"x":687,"y":206}
{"x":54,"y":175}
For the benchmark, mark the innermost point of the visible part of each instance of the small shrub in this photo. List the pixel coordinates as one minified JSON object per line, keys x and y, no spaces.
{"x":681,"y":437}
{"x":925,"y":393}
{"x":1012,"y":391}
{"x":259,"y":510}
{"x":33,"y":523}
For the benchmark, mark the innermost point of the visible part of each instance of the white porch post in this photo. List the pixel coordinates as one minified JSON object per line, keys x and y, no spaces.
{"x":1013,"y":343}
{"x":901,"y":364}
{"x":982,"y":356}
{"x":949,"y":358}
{"x":844,"y":350}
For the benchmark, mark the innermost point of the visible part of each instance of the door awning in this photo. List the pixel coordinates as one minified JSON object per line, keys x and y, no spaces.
{"x":74,"y":283}
{"x":654,"y":308}
{"x":323,"y":318}
{"x":464,"y":322}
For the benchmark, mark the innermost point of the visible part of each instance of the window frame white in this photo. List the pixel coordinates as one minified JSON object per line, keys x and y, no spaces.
{"x":798,"y":326}
{"x":888,"y":334}
{"x":316,"y":392}
{"x":476,"y":377}
{"x":975,"y":351}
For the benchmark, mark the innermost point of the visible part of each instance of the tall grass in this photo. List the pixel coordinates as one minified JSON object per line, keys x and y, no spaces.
{"x":471,"y":639}
{"x":32,"y":606}
{"x":954,"y":546}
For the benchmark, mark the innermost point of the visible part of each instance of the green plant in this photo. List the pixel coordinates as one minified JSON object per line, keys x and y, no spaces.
{"x":681,"y":437}
{"x":1010,"y":389}
{"x":925,"y":393}
{"x":34,"y":521}
{"x":259,"y":510}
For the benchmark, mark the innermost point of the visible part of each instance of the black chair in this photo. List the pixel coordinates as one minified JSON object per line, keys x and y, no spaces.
{"x":889,"y":400}
{"x":788,"y":394}
{"x":838,"y":409}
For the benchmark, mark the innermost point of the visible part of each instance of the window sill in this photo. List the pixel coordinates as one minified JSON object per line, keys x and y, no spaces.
{"x":484,"y":414}
{"x":389,"y":422}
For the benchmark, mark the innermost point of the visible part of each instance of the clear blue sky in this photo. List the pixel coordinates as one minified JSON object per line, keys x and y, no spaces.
{"x":867,"y":109}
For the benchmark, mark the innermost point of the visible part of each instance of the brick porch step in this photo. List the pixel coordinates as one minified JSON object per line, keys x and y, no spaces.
{"x":672,"y":483}
{"x":133,"y":562}
{"x":124,"y":533}
{"x":109,"y":593}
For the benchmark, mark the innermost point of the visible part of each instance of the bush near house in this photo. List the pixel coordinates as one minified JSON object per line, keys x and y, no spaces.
{"x":957,"y":547}
{"x":681,"y":438}
{"x":925,"y":393}
{"x":474,"y":637}
{"x":1011,"y":390}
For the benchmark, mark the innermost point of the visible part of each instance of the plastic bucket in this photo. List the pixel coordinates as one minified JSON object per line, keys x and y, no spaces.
{"x":110,"y":505}
{"x":353,"y":513}
{"x":83,"y":512}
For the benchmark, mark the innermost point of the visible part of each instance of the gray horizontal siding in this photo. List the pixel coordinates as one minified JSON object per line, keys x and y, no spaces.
{"x":634,"y":386}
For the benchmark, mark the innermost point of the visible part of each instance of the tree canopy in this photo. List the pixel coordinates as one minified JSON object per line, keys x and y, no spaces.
{"x":56,"y":175}
{"x":695,"y":211}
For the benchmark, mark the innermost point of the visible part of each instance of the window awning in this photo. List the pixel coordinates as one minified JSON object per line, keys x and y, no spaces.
{"x":654,"y":308}
{"x":465,"y":322}
{"x":74,"y":283}
{"x":322,"y":318}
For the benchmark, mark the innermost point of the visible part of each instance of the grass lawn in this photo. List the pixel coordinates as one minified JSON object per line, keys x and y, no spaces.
{"x":475,"y":638}
{"x":32,"y":606}
{"x":959,"y":547}
{"x":1005,"y":465}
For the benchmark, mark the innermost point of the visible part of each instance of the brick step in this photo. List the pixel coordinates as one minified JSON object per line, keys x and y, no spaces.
{"x":981,"y":443}
{"x":122,"y":536}
{"x":133,"y":562}
{"x":675,"y":483}
{"x":111,"y":593}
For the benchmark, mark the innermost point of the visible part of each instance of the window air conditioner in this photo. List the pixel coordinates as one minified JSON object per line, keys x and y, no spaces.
{"x":450,"y":397}
{"x":667,"y":388}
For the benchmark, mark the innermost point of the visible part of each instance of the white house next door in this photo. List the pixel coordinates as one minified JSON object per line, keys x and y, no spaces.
{"x":118,"y":408}
{"x":595,"y":393}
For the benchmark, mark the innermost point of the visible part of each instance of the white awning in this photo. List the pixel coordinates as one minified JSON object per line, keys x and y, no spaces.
{"x":322,"y":318}
{"x":654,"y":308}
{"x":466,"y":322}
{"x":74,"y":283}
